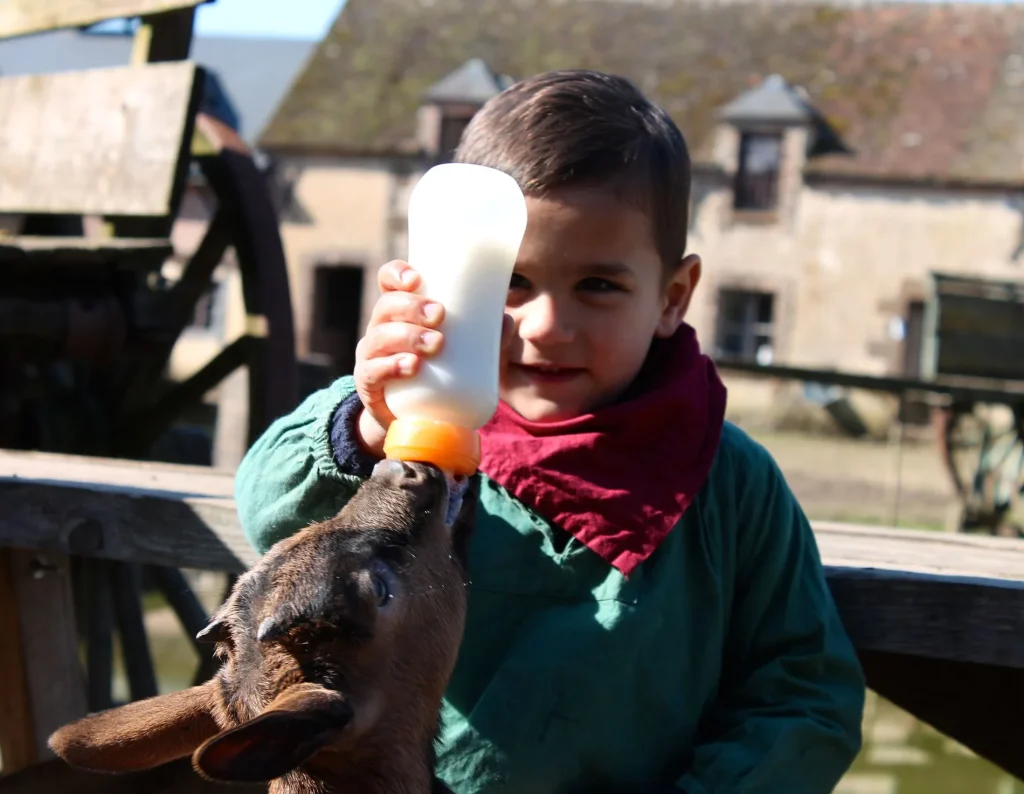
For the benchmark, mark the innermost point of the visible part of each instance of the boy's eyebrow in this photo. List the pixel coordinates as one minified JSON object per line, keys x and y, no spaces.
{"x":607,"y":269}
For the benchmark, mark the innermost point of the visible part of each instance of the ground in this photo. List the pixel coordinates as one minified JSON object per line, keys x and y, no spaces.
{"x":866,"y":482}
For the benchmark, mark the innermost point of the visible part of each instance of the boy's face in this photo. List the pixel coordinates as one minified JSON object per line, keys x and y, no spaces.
{"x":588,"y":296}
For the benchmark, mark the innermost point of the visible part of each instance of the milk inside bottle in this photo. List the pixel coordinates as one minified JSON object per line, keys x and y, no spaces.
{"x":466,"y":223}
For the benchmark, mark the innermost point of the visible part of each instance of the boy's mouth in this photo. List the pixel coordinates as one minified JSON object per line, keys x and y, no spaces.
{"x":549,"y":373}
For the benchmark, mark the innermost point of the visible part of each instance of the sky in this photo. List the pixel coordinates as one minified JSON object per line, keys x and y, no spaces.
{"x":292,"y":19}
{"x":298,"y":19}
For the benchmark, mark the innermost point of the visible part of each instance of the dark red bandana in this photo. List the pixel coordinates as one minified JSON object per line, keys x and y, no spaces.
{"x":620,"y":478}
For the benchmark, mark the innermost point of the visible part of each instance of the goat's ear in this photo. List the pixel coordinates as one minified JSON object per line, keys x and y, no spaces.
{"x":139,"y":735}
{"x":300,"y":721}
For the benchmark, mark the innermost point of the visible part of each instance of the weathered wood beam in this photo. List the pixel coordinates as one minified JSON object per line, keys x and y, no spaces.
{"x":936,"y":595}
{"x":112,"y":141}
{"x":56,"y":777}
{"x":186,"y":531}
{"x":23,"y":17}
{"x":41,"y":681}
{"x":164,"y":37}
{"x":937,"y":619}
{"x":131,"y":630}
{"x":17,"y":743}
{"x":933,"y":616}
{"x":998,"y":393}
{"x":99,"y":633}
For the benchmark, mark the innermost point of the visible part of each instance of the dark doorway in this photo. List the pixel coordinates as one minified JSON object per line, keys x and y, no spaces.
{"x":337,"y":303}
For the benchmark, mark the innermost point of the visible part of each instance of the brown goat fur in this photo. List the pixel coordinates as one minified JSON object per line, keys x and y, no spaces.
{"x":336,"y":647}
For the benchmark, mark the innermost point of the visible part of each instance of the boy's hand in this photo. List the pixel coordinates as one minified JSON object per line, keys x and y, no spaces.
{"x":401,"y":332}
{"x":402,"y":328}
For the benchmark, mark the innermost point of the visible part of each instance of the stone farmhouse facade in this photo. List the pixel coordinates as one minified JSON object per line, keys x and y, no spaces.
{"x":842,"y":153}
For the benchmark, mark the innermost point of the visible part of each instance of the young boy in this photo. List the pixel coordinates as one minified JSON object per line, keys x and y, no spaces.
{"x":647,"y":608}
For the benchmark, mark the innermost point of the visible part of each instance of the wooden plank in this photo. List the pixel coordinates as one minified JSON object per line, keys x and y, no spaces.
{"x":958,"y":619}
{"x":56,"y":683}
{"x":42,"y":682}
{"x":958,"y":597}
{"x":176,"y":777}
{"x":108,"y":141}
{"x":1002,"y":319}
{"x":22,"y":17}
{"x":122,"y":251}
{"x":995,"y":392}
{"x":979,"y":356}
{"x":926,"y":552}
{"x":160,"y":514}
{"x":17,"y":734}
{"x":164,"y":37}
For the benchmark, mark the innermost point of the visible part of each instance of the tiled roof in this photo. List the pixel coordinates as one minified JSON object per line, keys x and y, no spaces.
{"x":472,"y":83}
{"x":915,"y":89}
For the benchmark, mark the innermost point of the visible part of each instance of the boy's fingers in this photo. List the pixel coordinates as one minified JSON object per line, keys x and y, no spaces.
{"x":406,"y":307}
{"x":389,"y":338}
{"x":397,"y":275}
{"x":373,"y":374}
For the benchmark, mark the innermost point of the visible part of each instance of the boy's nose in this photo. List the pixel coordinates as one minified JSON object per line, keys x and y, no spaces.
{"x":540,"y":321}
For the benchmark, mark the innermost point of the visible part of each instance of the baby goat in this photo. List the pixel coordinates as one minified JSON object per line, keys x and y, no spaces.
{"x":337,"y":648}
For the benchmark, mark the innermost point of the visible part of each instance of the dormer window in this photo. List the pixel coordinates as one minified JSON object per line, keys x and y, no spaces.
{"x":756,"y":128}
{"x":756,"y":185}
{"x":449,"y":105}
{"x":452,"y":127}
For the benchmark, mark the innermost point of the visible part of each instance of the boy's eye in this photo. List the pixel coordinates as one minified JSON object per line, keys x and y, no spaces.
{"x":518,"y":282}
{"x":599,"y":285}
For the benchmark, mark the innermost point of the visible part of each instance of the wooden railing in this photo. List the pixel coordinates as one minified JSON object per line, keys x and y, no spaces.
{"x":938,"y":619}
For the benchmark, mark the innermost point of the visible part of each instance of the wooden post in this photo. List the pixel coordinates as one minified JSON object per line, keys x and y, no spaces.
{"x":164,"y":37}
{"x":41,"y":682}
{"x":17,"y":746}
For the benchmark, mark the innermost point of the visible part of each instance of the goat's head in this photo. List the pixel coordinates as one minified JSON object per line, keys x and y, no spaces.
{"x":336,"y":646}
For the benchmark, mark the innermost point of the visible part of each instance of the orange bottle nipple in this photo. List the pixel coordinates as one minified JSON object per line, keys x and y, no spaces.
{"x":448,"y":446}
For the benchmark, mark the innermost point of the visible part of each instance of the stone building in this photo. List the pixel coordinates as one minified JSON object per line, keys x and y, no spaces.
{"x":842,"y":153}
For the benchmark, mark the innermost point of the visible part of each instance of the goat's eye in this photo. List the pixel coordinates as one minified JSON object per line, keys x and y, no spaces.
{"x":382,"y":590}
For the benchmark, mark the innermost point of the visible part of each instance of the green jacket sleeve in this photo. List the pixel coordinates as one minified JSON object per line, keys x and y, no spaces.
{"x":289,"y":478}
{"x":789,"y":714}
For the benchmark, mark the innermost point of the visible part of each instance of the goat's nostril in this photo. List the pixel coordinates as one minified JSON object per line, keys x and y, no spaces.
{"x":398,"y":470}
{"x":393,"y":468}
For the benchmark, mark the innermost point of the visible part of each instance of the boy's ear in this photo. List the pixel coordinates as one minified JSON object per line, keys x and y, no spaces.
{"x":300,"y":721}
{"x":139,"y":735}
{"x":678,"y":291}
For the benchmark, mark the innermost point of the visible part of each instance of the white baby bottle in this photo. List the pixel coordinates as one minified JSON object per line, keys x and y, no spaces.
{"x":466,"y":223}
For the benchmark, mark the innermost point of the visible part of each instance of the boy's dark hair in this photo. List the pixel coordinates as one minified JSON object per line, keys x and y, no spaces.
{"x":578,"y":127}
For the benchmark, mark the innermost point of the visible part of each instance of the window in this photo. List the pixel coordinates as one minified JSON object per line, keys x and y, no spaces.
{"x":757,"y":176}
{"x":452,"y":128}
{"x":745,"y":325}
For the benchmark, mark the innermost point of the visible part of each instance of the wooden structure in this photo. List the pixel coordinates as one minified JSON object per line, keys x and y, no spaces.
{"x":94,"y":165}
{"x":93,"y":168}
{"x":938,"y":619}
{"x":972,"y":357}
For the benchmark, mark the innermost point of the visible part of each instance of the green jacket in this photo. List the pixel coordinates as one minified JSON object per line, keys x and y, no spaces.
{"x":719,"y":666}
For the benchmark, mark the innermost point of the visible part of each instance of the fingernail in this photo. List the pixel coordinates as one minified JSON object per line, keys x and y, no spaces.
{"x":432,"y":312}
{"x":406,"y":364}
{"x":430,"y":341}
{"x":408,"y":276}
